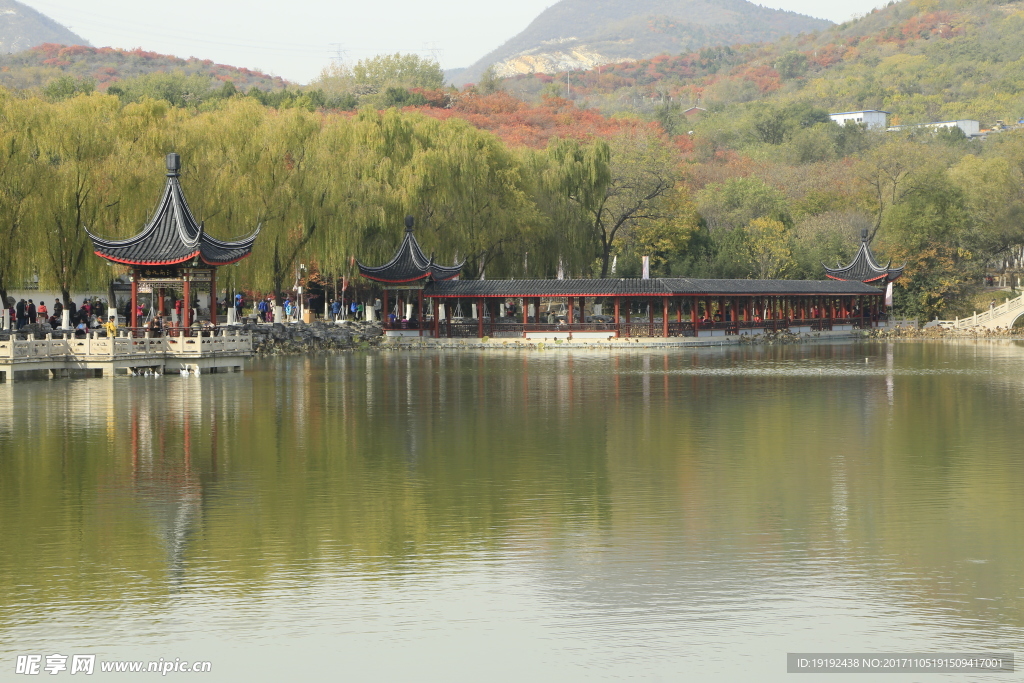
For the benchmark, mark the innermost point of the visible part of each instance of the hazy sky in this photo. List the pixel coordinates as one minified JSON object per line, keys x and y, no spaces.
{"x":296,"y":39}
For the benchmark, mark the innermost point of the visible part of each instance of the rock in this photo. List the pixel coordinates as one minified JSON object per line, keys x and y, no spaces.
{"x":296,"y":338}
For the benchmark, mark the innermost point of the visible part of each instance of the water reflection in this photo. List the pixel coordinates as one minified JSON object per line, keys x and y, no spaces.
{"x":641,"y":513}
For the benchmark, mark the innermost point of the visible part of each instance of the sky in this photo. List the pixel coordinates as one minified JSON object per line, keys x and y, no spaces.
{"x":297,"y":39}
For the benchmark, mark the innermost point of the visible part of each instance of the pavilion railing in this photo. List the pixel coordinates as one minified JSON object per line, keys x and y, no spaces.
{"x":469,"y":328}
{"x":505,"y":328}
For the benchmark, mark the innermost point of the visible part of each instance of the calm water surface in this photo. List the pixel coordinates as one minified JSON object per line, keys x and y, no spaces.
{"x":509,"y":516}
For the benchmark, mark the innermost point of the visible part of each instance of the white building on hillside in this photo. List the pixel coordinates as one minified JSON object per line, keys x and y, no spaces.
{"x":970,"y":127}
{"x":870,"y":118}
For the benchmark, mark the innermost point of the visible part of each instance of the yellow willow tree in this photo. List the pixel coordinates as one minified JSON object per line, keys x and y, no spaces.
{"x":21,"y":175}
{"x":288,"y":193}
{"x":366,"y":161}
{"x":572,"y":179}
{"x":468,"y":190}
{"x":221,"y":150}
{"x":77,"y":140}
{"x":769,"y":248}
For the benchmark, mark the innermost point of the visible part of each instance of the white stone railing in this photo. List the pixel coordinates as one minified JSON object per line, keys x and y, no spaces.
{"x":1002,"y":315}
{"x":93,"y":345}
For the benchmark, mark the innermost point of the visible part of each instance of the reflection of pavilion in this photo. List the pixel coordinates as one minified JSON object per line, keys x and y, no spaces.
{"x":164,"y":478}
{"x":173,"y":253}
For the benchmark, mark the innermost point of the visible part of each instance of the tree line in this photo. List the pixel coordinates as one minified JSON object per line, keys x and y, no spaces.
{"x":770,"y":194}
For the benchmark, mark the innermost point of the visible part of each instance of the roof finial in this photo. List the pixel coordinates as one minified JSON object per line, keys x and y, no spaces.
{"x":173,"y":165}
{"x":408,"y":223}
{"x":864,"y":235}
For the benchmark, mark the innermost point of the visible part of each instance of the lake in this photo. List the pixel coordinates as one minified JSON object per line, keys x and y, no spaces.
{"x":520,"y":515}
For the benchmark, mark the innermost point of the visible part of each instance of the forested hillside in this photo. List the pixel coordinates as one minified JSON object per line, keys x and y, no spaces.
{"x":923,"y":60}
{"x":98,"y":68}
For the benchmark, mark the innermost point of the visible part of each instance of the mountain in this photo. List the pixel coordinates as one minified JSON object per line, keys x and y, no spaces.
{"x":21,"y":27}
{"x":922,"y":61}
{"x":574,"y":34}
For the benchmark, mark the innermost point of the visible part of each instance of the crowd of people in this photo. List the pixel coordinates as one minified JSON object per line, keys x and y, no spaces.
{"x":88,"y":315}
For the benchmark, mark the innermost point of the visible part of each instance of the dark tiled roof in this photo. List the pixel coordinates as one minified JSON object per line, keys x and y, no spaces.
{"x":172,"y":236}
{"x":409,"y":264}
{"x":639,"y":288}
{"x":864,"y":268}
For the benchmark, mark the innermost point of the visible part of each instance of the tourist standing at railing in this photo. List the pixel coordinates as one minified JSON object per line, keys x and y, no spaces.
{"x":335,"y":309}
{"x":30,"y":312}
{"x":22,"y":318}
{"x":41,"y":312}
{"x":238,"y":306}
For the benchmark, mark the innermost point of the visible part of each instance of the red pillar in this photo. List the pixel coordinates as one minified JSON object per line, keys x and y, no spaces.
{"x":629,"y":311}
{"x":213,"y":297}
{"x":135,"y":298}
{"x":526,"y":315}
{"x":480,"y":318}
{"x":694,"y":318}
{"x":437,"y":316}
{"x":383,"y":314}
{"x":419,"y":315}
{"x":617,"y":302}
{"x":569,"y":317}
{"x":186,"y":308}
{"x":664,"y":316}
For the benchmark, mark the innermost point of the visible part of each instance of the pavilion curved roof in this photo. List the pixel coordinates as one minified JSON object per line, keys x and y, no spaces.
{"x":864,"y":267}
{"x":172,"y":235}
{"x":409,"y":264}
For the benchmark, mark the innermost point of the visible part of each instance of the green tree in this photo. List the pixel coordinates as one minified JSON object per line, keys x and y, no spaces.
{"x":65,"y":87}
{"x":737,"y":201}
{"x":791,"y":64}
{"x":642,"y":170}
{"x":398,"y":71}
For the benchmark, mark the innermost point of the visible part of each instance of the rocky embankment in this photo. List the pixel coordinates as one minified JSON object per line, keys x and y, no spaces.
{"x":279,"y":339}
{"x":946,"y":333}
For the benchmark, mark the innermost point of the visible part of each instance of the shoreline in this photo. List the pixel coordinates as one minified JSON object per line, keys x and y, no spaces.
{"x":299,"y":338}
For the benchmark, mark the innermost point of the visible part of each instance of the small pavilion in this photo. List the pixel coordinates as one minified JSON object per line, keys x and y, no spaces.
{"x":173,"y":252}
{"x":409,"y":270}
{"x":864,"y":268}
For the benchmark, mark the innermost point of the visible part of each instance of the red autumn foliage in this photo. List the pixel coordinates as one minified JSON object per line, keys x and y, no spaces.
{"x":519,"y":124}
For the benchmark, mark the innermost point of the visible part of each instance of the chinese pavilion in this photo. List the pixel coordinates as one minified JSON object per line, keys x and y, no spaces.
{"x":864,"y":267}
{"x":409,"y":269}
{"x":174,"y":252}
